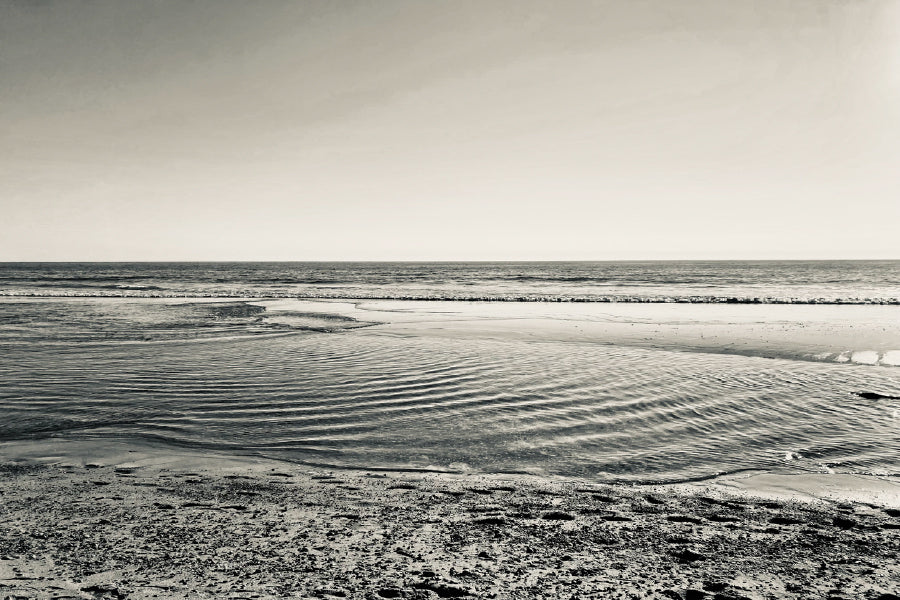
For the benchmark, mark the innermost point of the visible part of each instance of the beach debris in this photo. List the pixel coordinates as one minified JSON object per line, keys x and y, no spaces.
{"x":876,"y":396}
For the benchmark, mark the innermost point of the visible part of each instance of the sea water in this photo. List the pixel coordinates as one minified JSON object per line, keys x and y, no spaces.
{"x":699,"y":369}
{"x":672,"y":281}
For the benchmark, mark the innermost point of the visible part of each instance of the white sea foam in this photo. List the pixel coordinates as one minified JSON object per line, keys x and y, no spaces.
{"x":864,"y":357}
{"x":891,"y":357}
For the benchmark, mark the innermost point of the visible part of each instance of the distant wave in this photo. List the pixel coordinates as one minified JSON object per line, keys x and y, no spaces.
{"x":549,"y":279}
{"x":119,"y":291}
{"x":80,"y":278}
{"x":593,"y":280}
{"x":123,"y":286}
{"x":295,"y":281}
{"x":82,"y":285}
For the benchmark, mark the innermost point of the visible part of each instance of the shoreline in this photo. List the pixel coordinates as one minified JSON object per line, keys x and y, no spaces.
{"x":153,"y":524}
{"x":801,"y":486}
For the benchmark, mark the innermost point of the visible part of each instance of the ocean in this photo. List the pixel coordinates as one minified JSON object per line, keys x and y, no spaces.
{"x":863,"y":282}
{"x":628,"y":371}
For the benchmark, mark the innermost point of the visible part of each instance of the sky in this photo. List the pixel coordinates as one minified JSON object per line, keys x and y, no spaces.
{"x":437,"y":130}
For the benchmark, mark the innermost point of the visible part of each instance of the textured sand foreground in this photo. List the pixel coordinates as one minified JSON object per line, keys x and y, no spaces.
{"x":259,"y":531}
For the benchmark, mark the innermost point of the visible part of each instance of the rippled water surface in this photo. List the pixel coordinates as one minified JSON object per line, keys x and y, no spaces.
{"x":331,"y":392}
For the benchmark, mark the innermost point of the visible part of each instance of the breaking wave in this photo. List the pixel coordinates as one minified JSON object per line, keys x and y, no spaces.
{"x":136,"y":291}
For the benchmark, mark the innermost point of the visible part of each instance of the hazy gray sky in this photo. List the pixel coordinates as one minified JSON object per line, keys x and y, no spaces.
{"x":207,"y":129}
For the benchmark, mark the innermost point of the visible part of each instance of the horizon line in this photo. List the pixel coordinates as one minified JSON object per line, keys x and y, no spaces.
{"x":474,"y":261}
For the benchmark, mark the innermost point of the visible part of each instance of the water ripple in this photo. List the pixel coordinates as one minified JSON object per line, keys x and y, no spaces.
{"x":374,"y":401}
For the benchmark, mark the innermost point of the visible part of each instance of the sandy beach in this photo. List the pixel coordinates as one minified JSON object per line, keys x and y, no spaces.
{"x":110,"y":514}
{"x":113,"y":522}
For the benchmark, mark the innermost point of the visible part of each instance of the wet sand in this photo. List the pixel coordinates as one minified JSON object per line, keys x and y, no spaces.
{"x":865,"y":334}
{"x":113,"y":522}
